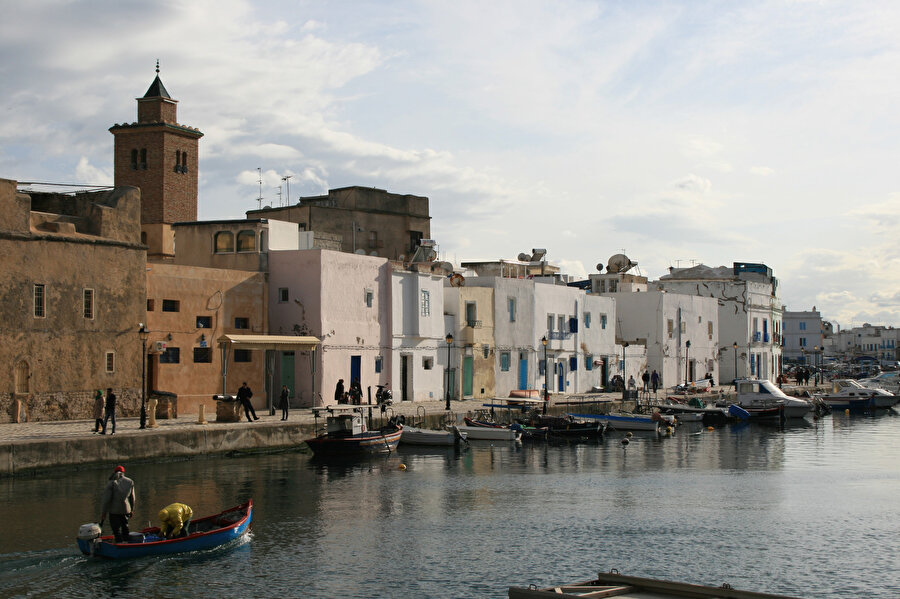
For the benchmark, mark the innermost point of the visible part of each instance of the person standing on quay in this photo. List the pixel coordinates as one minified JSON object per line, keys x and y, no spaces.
{"x":110,"y":411}
{"x":285,"y":394}
{"x":645,"y":378}
{"x":118,"y":502}
{"x":654,"y":381}
{"x":98,"y":410}
{"x":339,"y":391}
{"x":244,"y":394}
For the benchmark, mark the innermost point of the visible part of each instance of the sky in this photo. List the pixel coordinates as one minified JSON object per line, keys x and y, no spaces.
{"x":676,"y":132}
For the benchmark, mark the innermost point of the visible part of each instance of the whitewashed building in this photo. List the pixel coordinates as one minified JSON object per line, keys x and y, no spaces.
{"x":803,"y":337}
{"x":750,"y":314}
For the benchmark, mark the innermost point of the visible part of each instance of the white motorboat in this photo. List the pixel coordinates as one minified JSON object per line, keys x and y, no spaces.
{"x":762,"y":393}
{"x":849,"y":394}
{"x":889,"y":381}
{"x":422,"y":436}
{"x":488,"y":433}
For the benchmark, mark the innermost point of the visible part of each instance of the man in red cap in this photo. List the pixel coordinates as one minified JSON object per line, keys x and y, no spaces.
{"x":118,"y":502}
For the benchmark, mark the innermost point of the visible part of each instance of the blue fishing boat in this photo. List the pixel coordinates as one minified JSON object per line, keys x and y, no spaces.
{"x":631,"y":422}
{"x":204,"y":533}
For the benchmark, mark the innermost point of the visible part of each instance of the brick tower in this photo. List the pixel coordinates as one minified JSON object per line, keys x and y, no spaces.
{"x":159,"y":156}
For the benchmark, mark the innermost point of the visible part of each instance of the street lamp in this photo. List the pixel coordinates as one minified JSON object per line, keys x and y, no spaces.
{"x":143,"y":333}
{"x":624,"y":371}
{"x":816,"y":364}
{"x":687,"y":360}
{"x":449,"y":339}
{"x":734,"y":346}
{"x":546,"y":374}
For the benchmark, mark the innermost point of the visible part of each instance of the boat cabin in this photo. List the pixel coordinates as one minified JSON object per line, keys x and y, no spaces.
{"x":342,"y":421}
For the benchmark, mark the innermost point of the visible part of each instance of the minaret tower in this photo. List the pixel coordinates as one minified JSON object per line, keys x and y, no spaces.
{"x":159,"y":156}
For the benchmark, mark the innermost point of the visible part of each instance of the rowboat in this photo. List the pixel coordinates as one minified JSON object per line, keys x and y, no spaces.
{"x":412,"y":435}
{"x":346,"y":433}
{"x":632,"y":422}
{"x":568,"y":428}
{"x":483,"y":431}
{"x":613,"y":584}
{"x":205,"y":533}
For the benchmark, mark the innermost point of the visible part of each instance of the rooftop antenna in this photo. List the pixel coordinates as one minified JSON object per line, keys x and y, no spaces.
{"x":260,"y":198}
{"x":287,"y":181}
{"x":279,"y":194}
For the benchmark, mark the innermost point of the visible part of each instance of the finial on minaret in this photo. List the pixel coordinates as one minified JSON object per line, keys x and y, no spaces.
{"x":157,"y":66}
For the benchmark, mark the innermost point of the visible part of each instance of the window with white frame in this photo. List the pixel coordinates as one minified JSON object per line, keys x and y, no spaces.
{"x":426,"y":302}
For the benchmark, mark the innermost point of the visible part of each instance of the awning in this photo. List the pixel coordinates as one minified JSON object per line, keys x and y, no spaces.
{"x":276,"y":342}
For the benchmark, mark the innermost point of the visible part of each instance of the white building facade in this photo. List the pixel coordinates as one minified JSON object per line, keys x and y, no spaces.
{"x":803,"y":336}
{"x":750,"y":314}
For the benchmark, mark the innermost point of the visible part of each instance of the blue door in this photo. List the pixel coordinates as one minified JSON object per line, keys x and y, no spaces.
{"x":561,"y":376}
{"x":355,"y":369}
{"x":523,"y":371}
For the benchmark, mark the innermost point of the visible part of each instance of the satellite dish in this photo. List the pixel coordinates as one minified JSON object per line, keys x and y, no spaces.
{"x":457,"y":280}
{"x":619,"y":263}
{"x":600,"y":267}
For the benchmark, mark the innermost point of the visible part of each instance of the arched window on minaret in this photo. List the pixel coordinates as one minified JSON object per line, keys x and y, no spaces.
{"x":177,"y":161}
{"x":143,"y":158}
{"x":184,"y":162}
{"x":134,"y":156}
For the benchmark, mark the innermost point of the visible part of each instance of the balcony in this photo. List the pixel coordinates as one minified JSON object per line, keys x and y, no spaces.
{"x":560,"y":335}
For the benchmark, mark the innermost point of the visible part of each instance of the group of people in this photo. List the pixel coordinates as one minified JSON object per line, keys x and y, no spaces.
{"x":118,"y":504}
{"x":351,"y":396}
{"x":244,"y":394}
{"x":649,"y":381}
{"x":104,"y":411}
{"x":802,"y":376}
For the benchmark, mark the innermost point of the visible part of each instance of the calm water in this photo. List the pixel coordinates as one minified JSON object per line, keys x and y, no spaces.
{"x":810,"y":511}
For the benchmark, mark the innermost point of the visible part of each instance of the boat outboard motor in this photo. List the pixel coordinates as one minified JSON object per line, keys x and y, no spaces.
{"x":87,"y":536}
{"x":384,"y":396}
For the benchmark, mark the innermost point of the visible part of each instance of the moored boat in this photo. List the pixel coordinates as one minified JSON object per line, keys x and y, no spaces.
{"x":204,"y":533}
{"x":567,"y":427}
{"x":346,"y":433}
{"x":485,"y":431}
{"x":759,"y":396}
{"x":412,"y":435}
{"x":849,"y":394}
{"x":613,"y":584}
{"x":632,"y":422}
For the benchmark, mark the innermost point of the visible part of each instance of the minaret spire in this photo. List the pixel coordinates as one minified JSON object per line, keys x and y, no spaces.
{"x":157,"y":67}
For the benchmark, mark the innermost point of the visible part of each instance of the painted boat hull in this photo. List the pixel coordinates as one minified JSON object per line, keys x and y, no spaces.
{"x":625,"y":422}
{"x":420,"y":436}
{"x":242,"y":515}
{"x":366,"y":443}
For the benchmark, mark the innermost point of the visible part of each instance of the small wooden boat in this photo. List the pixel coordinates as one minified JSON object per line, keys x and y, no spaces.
{"x":205,"y":533}
{"x":632,"y":422}
{"x":486,"y":431}
{"x":412,"y":435}
{"x":614,"y":584}
{"x":568,"y":427}
{"x":346,"y":433}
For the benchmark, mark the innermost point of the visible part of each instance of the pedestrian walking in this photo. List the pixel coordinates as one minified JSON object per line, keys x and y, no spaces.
{"x":98,"y":410}
{"x":110,"y":406}
{"x":654,"y":381}
{"x":118,"y":502}
{"x":244,"y":394}
{"x":645,"y":378}
{"x":631,"y":383}
{"x":285,"y":395}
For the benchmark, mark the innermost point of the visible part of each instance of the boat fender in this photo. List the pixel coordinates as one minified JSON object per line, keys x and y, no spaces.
{"x":709,"y":428}
{"x":401,"y":467}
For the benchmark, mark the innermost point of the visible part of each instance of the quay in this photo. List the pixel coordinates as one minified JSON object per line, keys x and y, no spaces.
{"x":31,"y":447}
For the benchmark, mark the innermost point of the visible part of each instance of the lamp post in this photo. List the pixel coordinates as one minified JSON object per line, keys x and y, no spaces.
{"x":816,"y":364}
{"x":546,"y":375}
{"x":624,"y":372}
{"x":687,"y":360}
{"x":449,"y":339}
{"x":143,"y":333}
{"x":734,"y":346}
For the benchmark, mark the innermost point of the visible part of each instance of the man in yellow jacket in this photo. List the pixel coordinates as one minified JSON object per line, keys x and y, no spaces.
{"x":174,"y":520}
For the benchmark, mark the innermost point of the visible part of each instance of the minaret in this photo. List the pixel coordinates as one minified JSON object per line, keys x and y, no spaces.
{"x":159,"y":156}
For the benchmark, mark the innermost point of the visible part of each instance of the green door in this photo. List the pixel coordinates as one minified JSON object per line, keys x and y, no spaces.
{"x":468,"y":375}
{"x":287,"y":373}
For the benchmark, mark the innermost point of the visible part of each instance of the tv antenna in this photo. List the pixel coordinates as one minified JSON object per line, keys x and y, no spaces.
{"x":287,"y":181}
{"x":260,"y":198}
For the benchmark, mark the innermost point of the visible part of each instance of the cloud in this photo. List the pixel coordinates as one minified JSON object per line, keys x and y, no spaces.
{"x":88,"y":173}
{"x":762,"y":171}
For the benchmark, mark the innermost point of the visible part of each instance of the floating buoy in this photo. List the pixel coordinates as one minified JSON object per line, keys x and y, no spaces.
{"x":709,"y":428}
{"x":847,"y":411}
{"x":629,"y":434}
{"x":625,"y":442}
{"x":401,"y":467}
{"x":668,"y":430}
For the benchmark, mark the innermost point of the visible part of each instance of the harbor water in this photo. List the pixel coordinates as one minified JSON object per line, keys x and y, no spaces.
{"x":808,"y":510}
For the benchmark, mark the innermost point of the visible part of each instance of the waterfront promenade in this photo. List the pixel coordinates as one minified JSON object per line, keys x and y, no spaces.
{"x":30,"y":447}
